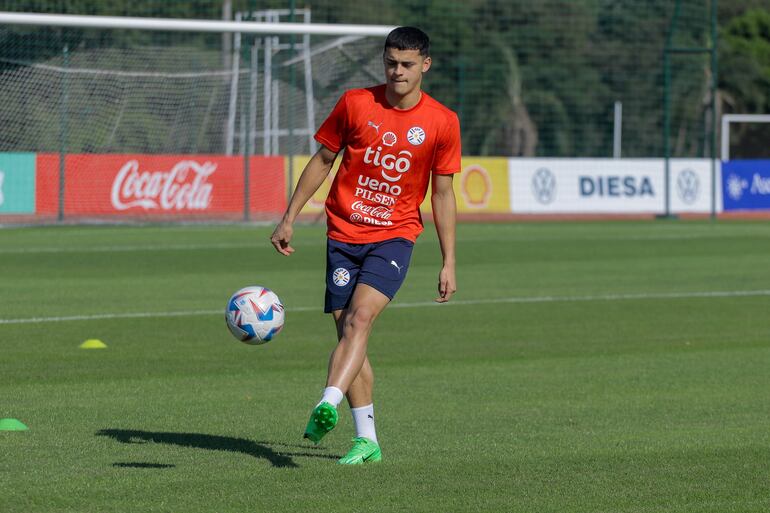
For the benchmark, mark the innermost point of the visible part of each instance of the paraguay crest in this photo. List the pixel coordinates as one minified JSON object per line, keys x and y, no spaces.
{"x":415,"y":135}
{"x":340,"y":276}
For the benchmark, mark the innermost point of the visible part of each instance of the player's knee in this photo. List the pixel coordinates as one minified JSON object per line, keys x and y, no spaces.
{"x":360,"y":319}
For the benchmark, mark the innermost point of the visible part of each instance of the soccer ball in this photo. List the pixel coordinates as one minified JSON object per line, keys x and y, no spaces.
{"x":254,"y":315}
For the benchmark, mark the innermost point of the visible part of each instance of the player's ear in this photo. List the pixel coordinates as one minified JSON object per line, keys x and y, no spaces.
{"x":426,"y":64}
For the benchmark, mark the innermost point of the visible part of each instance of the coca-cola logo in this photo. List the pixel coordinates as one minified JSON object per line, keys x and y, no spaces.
{"x":377,"y":211}
{"x":183,"y":187}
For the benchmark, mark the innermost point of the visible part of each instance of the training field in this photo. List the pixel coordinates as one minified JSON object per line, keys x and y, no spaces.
{"x":581,"y":367}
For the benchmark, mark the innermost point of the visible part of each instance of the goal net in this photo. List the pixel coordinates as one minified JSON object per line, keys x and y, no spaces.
{"x":143,"y":124}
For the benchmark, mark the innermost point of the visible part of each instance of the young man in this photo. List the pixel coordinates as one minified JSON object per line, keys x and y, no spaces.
{"x":395,"y":137}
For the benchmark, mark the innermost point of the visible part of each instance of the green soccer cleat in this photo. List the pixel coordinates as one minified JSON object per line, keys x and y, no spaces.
{"x":363,"y":451}
{"x":322,"y":420}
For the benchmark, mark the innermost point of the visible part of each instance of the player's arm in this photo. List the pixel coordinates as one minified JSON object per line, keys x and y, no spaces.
{"x":445,"y":216}
{"x":312,"y":177}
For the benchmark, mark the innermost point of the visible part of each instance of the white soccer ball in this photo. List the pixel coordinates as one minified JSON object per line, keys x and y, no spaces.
{"x":254,"y":315}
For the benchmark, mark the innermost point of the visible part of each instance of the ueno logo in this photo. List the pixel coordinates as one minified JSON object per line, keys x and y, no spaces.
{"x":389,"y":162}
{"x":376,"y":185}
{"x":183,"y":187}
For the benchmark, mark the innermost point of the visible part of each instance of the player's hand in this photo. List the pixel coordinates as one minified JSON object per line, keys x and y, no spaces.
{"x":281,"y":238}
{"x":446,"y":284}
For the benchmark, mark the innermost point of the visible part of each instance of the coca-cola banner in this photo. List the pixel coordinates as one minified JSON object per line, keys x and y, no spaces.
{"x":164,"y":185}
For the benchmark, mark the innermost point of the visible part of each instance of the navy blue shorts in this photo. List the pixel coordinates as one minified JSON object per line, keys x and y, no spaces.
{"x":381,"y":265}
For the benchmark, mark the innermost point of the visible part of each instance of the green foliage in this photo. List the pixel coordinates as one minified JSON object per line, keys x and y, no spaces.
{"x":526,"y":78}
{"x":746,"y":61}
{"x":745,"y":77}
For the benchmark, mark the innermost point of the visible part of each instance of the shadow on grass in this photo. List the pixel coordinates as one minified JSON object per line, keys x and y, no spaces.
{"x":211,"y":442}
{"x":142,"y":465}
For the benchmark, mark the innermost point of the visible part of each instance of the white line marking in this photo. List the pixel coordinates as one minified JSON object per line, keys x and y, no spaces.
{"x":461,"y":302}
{"x":110,"y":249}
{"x":308,"y":243}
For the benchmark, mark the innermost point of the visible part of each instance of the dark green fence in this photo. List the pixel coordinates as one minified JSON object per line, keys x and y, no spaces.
{"x":527,"y":78}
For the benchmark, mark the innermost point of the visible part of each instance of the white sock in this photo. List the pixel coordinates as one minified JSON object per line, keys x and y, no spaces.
{"x":363,"y":418}
{"x":332,"y":395}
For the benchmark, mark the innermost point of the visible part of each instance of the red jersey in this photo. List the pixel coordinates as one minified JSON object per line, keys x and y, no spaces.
{"x":387,"y":163}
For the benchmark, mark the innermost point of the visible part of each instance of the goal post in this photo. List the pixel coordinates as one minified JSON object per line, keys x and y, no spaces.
{"x":729,"y":119}
{"x":141,"y":119}
{"x":182,"y":25}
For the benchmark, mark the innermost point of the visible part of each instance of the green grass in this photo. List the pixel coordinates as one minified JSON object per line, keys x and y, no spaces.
{"x":606,"y":383}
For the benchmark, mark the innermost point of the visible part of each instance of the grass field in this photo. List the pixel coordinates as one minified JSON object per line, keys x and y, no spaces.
{"x":582,"y":367}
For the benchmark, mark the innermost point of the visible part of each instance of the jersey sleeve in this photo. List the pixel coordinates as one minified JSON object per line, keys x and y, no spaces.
{"x":332,"y":131}
{"x":449,"y":149}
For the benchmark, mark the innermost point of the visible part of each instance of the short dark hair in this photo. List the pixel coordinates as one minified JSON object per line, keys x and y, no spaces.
{"x":408,"y":38}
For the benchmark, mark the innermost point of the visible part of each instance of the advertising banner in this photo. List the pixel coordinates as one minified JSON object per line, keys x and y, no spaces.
{"x":161,"y":185}
{"x":315,"y":204}
{"x":17,"y":183}
{"x":481,"y":187}
{"x":746,"y":185}
{"x":691,"y":186}
{"x":611,"y":186}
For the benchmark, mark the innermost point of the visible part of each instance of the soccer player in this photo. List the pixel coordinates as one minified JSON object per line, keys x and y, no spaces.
{"x":395,"y":138}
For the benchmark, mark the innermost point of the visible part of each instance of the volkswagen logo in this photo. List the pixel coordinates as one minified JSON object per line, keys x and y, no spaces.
{"x":688,"y":186}
{"x":544,"y":186}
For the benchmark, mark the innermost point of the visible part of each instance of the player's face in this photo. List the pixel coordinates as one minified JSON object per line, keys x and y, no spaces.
{"x":404,"y":69}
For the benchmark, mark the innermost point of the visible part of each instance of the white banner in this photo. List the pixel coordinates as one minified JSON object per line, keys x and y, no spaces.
{"x":690,"y":186}
{"x":609,"y":186}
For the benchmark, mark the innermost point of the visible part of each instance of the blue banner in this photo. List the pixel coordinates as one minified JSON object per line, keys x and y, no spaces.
{"x":746,"y":185}
{"x":17,"y":183}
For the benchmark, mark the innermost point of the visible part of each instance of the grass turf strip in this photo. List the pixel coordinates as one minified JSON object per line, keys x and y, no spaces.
{"x":633,"y":405}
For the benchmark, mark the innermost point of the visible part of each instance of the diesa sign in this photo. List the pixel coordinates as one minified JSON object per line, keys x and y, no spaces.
{"x":607,"y":186}
{"x":615,"y":186}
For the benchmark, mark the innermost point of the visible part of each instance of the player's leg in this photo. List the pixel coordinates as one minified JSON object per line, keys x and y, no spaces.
{"x":359,"y":397}
{"x":342,"y":267}
{"x":365,"y":447}
{"x":384,"y":269}
{"x":348,"y":357}
{"x":378,"y":274}
{"x":360,"y":392}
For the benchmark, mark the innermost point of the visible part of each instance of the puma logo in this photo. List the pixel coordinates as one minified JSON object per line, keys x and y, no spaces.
{"x":376,"y":127}
{"x":370,"y":417}
{"x":394,"y":264}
